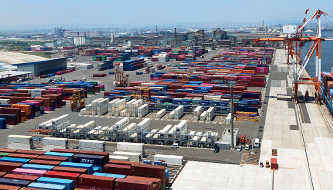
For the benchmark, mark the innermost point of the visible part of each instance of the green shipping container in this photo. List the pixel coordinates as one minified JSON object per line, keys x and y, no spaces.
{"x":163,"y":187}
{"x":3,"y":154}
{"x":127,"y":98}
{"x":195,"y":101}
{"x":102,"y":89}
{"x":90,"y":92}
{"x":94,"y":83}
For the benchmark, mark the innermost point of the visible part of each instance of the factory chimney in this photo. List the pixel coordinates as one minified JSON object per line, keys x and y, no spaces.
{"x":175,"y":32}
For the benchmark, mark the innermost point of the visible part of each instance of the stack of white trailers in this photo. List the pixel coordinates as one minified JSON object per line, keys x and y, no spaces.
{"x":179,"y":112}
{"x":160,"y":114}
{"x":119,"y":106}
{"x":210,"y":114}
{"x":143,"y":110}
{"x":59,"y":122}
{"x":135,"y":107}
{"x":196,"y":113}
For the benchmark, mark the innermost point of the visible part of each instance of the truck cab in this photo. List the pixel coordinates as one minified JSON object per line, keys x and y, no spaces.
{"x":257,"y":143}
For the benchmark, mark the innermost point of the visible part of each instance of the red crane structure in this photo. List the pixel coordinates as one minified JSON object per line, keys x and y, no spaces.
{"x":294,"y":41}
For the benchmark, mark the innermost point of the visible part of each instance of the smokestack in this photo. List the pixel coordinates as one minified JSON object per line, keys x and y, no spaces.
{"x":263,"y":22}
{"x":156,"y":28}
{"x":175,"y":32}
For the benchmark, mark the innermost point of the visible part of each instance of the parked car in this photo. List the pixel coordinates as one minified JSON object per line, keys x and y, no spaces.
{"x":247,"y":147}
{"x":239,"y":148}
{"x":175,"y":145}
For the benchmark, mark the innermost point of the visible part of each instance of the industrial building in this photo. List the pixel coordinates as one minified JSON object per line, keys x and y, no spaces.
{"x":43,"y":67}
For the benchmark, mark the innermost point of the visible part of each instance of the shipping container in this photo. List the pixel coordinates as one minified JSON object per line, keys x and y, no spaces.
{"x":134,"y":156}
{"x":92,"y":145}
{"x":90,"y":159}
{"x":131,"y":147}
{"x":21,"y":177}
{"x":15,"y":160}
{"x":33,"y":152}
{"x":53,"y":158}
{"x":58,"y":181}
{"x":89,"y":167}
{"x":109,"y":175}
{"x":67,"y":155}
{"x":123,"y":183}
{"x":70,"y":170}
{"x":117,"y":169}
{"x":169,"y":159}
{"x":44,"y":162}
{"x":50,"y":143}
{"x":37,"y":167}
{"x":14,"y":182}
{"x":47,"y":186}
{"x":90,"y":181}
{"x":97,"y":153}
{"x":123,"y":158}
{"x":65,"y":151}
{"x":63,"y":175}
{"x":30,"y":172}
{"x":9,"y":187}
{"x":156,"y":181}
{"x":26,"y":156}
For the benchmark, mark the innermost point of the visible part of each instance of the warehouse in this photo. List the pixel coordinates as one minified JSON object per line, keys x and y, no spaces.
{"x":43,"y":67}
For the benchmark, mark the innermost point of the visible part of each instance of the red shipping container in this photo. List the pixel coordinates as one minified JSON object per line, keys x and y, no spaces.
{"x":70,"y":170}
{"x":117,"y":169}
{"x":155,"y":181}
{"x":65,"y":150}
{"x":121,"y":162}
{"x":27,"y":156}
{"x":63,"y":175}
{"x":8,"y":150}
{"x":53,"y":158}
{"x":105,"y":154}
{"x":123,"y":183}
{"x":21,"y":177}
{"x":34,"y":152}
{"x":91,"y":181}
{"x":146,"y":170}
{"x":8,"y":167}
{"x":44,"y":162}
{"x":8,"y":187}
{"x":2,"y":174}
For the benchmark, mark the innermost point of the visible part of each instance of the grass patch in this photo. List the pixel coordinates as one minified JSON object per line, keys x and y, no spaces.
{"x":41,"y":54}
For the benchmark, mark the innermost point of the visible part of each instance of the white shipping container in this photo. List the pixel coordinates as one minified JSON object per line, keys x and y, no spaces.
{"x":143,"y":110}
{"x":123,"y":158}
{"x":129,"y":108}
{"x":37,"y":92}
{"x":169,"y":159}
{"x":90,"y":125}
{"x":123,"y":113}
{"x":19,"y":139}
{"x":197,"y":111}
{"x":20,"y":146}
{"x":5,"y":101}
{"x":130,"y":127}
{"x":111,"y":105}
{"x":135,"y":106}
{"x":133,"y":156}
{"x":144,"y":125}
{"x":181,"y":127}
{"x":119,"y":105}
{"x":131,"y":147}
{"x":160,"y":114}
{"x":56,"y":141}
{"x":203,"y":116}
{"x":48,"y":148}
{"x":92,"y":145}
{"x":165,"y":130}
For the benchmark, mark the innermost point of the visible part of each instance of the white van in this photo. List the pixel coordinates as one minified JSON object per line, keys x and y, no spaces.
{"x":256,"y":143}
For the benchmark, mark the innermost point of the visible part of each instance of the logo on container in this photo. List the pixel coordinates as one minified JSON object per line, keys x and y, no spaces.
{"x":87,"y":161}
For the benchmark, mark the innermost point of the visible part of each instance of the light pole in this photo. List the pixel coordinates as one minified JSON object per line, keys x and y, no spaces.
{"x":232,"y":84}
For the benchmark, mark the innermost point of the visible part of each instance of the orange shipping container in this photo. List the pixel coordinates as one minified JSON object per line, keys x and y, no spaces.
{"x":23,"y":107}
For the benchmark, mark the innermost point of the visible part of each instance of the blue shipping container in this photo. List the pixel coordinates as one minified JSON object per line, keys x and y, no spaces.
{"x":59,"y":154}
{"x":38,"y":167}
{"x":89,"y":159}
{"x":109,"y":175}
{"x":67,"y":182}
{"x":47,"y":186}
{"x":3,"y":123}
{"x":15,"y":160}
{"x":89,"y":167}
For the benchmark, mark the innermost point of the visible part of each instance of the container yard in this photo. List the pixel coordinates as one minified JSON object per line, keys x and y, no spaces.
{"x":124,"y":136}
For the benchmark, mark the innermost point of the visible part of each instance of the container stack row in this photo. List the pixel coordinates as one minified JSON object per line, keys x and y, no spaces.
{"x":67,"y":169}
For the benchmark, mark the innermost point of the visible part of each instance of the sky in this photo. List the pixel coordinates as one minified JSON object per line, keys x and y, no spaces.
{"x":42,"y":14}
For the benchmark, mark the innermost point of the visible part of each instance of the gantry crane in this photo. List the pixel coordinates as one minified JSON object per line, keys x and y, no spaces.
{"x":120,"y":78}
{"x":294,"y":41}
{"x":77,"y":100}
{"x":181,"y":75}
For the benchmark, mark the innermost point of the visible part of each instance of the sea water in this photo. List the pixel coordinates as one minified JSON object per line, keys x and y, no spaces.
{"x":5,"y":66}
{"x":326,"y":55}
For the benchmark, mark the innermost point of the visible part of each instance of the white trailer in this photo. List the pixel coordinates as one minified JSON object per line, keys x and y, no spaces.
{"x":143,"y":110}
{"x":171,"y":114}
{"x":123,"y":158}
{"x":210,"y":114}
{"x":179,"y":112}
{"x":50,"y":143}
{"x":133,"y":156}
{"x":169,"y":159}
{"x":181,"y":127}
{"x":129,"y":108}
{"x":144,"y":125}
{"x":160,"y":114}
{"x":122,"y":123}
{"x":111,"y":106}
{"x":203,"y":116}
{"x":119,"y":106}
{"x":165,"y":130}
{"x":20,"y":142}
{"x":92,"y":145}
{"x":197,"y":112}
{"x":131,"y":147}
{"x":135,"y":106}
